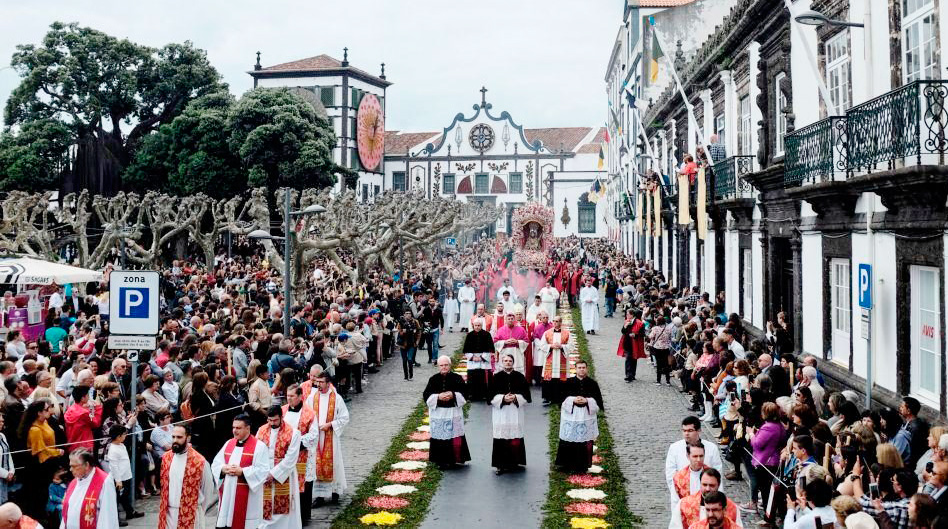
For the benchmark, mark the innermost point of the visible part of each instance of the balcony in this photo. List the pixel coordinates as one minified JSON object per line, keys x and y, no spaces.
{"x":901,"y":128}
{"x":897,"y":129}
{"x":729,"y":182}
{"x":816,"y":153}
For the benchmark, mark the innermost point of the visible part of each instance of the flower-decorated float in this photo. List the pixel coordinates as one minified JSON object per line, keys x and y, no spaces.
{"x":532,"y":235}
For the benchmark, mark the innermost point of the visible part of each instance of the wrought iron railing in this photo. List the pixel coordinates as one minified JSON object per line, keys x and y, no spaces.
{"x":816,"y":153}
{"x":901,"y":127}
{"x":729,"y":176}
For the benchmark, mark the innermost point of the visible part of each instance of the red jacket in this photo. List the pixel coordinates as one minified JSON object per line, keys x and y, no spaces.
{"x":80,"y":427}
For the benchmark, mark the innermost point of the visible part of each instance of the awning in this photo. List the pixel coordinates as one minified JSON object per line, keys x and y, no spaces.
{"x":29,"y":271}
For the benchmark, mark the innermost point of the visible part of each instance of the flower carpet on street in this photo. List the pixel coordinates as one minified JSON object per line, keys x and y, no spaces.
{"x":399,"y":489}
{"x":595,"y":499}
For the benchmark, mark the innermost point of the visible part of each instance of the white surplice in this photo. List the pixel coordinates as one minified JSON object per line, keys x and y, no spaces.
{"x":548,"y":298}
{"x":467,"y":297}
{"x":255,"y":475}
{"x":589,"y":301}
{"x":446,"y":422}
{"x":307,"y":440}
{"x":207,"y":496}
{"x":578,"y":424}
{"x":324,"y":489}
{"x":507,"y":420}
{"x":557,"y":349}
{"x":281,"y":472}
{"x":532,"y":312}
{"x":108,"y":508}
{"x":516,"y":351}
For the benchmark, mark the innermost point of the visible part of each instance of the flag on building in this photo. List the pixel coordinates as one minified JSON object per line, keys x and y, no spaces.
{"x":656,"y":55}
{"x":606,"y":131}
{"x":602,"y":157}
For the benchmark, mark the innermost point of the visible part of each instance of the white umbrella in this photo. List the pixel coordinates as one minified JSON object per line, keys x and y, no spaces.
{"x":29,"y":271}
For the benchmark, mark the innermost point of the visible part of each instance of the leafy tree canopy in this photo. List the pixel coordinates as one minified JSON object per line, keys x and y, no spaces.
{"x":281,"y":141}
{"x":86,"y":79}
{"x":191,"y":154}
{"x":31,"y":160}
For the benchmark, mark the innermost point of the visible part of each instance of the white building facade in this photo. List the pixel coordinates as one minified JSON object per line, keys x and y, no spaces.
{"x":808,"y":183}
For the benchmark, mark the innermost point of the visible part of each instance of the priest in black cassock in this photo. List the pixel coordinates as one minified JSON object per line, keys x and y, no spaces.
{"x":478,"y":351}
{"x":509,"y":394}
{"x":444,"y":396}
{"x":579,"y":424}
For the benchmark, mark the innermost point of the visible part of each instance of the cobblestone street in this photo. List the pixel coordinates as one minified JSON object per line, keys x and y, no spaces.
{"x":645,"y":419}
{"x":375,"y":416}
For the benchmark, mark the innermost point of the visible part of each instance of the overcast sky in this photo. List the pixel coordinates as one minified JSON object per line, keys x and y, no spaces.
{"x":542,"y":60}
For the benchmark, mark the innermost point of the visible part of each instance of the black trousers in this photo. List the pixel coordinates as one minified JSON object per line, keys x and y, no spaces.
{"x":661,"y":364}
{"x":631,"y":365}
{"x":355,"y":376}
{"x":306,"y":502}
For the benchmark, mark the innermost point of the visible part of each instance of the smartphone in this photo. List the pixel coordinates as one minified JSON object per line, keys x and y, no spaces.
{"x":874,"y":491}
{"x":930,"y":467}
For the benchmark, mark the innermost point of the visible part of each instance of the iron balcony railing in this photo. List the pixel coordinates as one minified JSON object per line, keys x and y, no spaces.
{"x":816,"y":153}
{"x":900,"y":128}
{"x":904,"y":126}
{"x":729,"y":182}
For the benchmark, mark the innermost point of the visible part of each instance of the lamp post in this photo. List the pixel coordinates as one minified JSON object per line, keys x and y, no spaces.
{"x":815,"y":18}
{"x":287,"y":239}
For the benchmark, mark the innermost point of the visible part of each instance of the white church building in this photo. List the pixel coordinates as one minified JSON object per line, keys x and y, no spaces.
{"x":480,"y":155}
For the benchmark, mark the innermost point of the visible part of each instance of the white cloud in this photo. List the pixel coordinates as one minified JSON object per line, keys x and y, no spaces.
{"x":542,"y":60}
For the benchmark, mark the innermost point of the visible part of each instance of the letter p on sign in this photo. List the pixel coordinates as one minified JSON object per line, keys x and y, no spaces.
{"x":133,"y":302}
{"x":865,"y":286}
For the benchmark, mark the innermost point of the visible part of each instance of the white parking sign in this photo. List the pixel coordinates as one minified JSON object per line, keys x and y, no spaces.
{"x":133,"y":302}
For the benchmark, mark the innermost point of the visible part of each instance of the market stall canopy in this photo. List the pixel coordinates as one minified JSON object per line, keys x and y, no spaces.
{"x":29,"y":271}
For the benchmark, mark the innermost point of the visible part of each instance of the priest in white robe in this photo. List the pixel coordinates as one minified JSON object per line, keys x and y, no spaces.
{"x":451,"y":310}
{"x":91,"y":484}
{"x":549,"y":297}
{"x":509,"y":394}
{"x":331,"y":419}
{"x":533,"y":311}
{"x":188,"y":490}
{"x":240,"y":469}
{"x":579,"y":423}
{"x":555,"y":347}
{"x":281,"y":493}
{"x":301,"y":416}
{"x":589,"y":302}
{"x":512,"y":339}
{"x":506,"y":288}
{"x":467,"y":298}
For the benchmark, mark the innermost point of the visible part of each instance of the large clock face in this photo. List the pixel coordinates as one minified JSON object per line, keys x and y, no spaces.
{"x":482,"y":138}
{"x":370,"y":133}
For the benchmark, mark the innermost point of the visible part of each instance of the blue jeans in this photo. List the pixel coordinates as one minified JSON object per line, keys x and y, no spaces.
{"x":408,"y":361}
{"x":610,"y":306}
{"x":433,"y":347}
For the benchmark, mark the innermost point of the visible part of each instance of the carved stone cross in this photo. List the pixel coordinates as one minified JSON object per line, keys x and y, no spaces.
{"x":483,"y":97}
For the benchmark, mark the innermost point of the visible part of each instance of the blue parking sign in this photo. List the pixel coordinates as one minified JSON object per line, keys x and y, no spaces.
{"x":133,"y":302}
{"x":865,"y":286}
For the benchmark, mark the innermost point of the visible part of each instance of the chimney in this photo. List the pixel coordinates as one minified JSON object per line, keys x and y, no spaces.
{"x":345,"y":56}
{"x":257,"y":66}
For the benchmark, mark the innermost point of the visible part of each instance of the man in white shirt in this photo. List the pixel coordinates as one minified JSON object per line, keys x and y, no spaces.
{"x":506,"y":288}
{"x":677,"y":457}
{"x":733,"y":345}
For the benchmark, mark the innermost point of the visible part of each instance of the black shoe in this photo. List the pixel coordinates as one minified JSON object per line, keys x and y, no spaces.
{"x":319,"y":502}
{"x":123,"y":524}
{"x":417,"y":364}
{"x":335,"y":499}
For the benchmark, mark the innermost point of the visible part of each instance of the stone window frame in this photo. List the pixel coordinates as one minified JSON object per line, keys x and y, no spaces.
{"x":842,"y":63}
{"x":781,"y":120}
{"x":929,"y":10}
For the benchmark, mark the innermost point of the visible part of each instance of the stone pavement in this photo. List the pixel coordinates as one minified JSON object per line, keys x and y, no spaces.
{"x":375,"y":417}
{"x":521,"y":494}
{"x":644,"y":420}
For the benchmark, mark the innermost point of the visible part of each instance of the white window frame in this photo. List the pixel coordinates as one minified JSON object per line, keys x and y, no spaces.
{"x":929,"y":395}
{"x":839,"y":71}
{"x":744,"y":130}
{"x":841,"y":311}
{"x":780,"y":119}
{"x":928,"y":62}
{"x":748,"y":281}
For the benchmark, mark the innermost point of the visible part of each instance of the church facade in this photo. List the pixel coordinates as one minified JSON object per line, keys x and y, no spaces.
{"x":480,"y":155}
{"x":487,"y":156}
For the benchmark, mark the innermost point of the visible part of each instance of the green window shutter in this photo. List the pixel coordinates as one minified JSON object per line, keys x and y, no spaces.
{"x":515,"y":183}
{"x":398,"y":180}
{"x":587,"y":218}
{"x":327,"y":96}
{"x":449,"y":186}
{"x":481,"y":185}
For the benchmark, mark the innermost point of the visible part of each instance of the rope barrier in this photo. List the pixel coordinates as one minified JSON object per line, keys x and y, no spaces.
{"x":143,"y":431}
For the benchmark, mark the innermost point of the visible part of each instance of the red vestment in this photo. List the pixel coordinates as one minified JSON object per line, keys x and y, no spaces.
{"x":190,"y":488}
{"x":690,"y":509}
{"x":276,"y":495}
{"x":243,"y":489}
{"x":89,"y":516}
{"x":307,"y":418}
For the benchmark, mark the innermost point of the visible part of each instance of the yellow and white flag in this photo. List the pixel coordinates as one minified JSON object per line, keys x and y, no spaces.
{"x":684,"y":209}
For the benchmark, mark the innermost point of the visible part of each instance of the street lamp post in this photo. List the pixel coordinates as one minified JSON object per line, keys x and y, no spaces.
{"x":287,"y":239}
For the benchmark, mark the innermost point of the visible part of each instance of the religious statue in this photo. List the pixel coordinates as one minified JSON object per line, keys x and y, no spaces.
{"x":533,"y":242}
